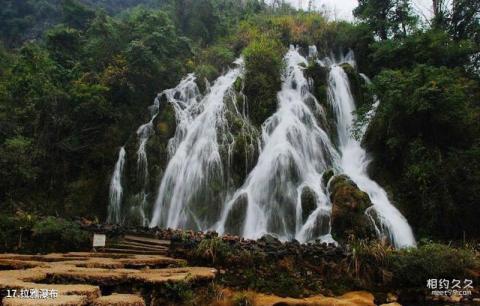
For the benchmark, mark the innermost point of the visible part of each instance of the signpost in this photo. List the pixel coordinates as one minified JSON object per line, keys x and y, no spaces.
{"x":99,"y":240}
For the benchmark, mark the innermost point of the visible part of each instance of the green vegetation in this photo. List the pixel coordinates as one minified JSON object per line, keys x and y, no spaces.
{"x":77,"y":76}
{"x":426,"y":138}
{"x":294,"y":270}
{"x":30,"y":234}
{"x":426,"y":134}
{"x":180,"y":292}
{"x":412,"y":267}
{"x":212,"y":250}
{"x":243,"y":299}
{"x":376,"y":264}
{"x":263,"y":61}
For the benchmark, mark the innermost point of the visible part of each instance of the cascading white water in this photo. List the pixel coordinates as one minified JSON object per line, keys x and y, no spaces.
{"x":116,"y":189}
{"x":295,"y":154}
{"x":354,"y":160}
{"x":363,"y":125}
{"x":295,"y":151}
{"x":186,"y":196}
{"x":144,"y":132}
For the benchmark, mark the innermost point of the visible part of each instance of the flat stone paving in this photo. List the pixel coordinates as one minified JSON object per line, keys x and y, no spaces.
{"x":75,"y":278}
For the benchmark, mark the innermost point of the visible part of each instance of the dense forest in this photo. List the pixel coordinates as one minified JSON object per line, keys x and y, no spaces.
{"x":77,"y":77}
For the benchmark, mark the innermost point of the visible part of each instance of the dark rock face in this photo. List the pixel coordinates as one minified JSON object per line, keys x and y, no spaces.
{"x":309,"y":203}
{"x":348,"y":210}
{"x":236,"y":217}
{"x":327,"y":175}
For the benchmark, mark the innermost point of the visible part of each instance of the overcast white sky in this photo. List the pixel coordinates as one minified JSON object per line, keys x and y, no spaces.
{"x":342,"y":9}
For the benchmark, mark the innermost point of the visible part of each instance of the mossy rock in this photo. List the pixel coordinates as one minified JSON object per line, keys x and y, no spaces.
{"x":165,"y":123}
{"x":319,"y":75}
{"x":263,"y":64}
{"x":239,"y":84}
{"x":358,"y":86}
{"x":309,"y":203}
{"x":244,"y":155}
{"x":318,"y":79}
{"x":348,"y":210}
{"x":327,"y":175}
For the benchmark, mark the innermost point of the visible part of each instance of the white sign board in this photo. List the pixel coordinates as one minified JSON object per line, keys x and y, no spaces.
{"x":99,"y":240}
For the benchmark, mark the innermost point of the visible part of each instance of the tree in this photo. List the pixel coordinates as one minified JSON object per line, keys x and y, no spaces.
{"x":76,"y":15}
{"x":465,"y":20}
{"x":386,"y":18}
{"x":425,"y":134}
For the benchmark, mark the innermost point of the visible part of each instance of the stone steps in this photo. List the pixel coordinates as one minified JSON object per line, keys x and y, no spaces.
{"x":145,"y":240}
{"x":126,"y":245}
{"x":133,"y":251}
{"x":131,"y":244}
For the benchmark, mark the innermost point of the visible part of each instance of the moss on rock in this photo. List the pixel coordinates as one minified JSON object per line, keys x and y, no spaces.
{"x":358,"y":87}
{"x":348,"y":212}
{"x":309,"y":203}
{"x":263,"y":63}
{"x":327,"y":175}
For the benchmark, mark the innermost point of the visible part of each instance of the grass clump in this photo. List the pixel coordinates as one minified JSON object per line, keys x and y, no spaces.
{"x":212,"y":250}
{"x":243,"y":298}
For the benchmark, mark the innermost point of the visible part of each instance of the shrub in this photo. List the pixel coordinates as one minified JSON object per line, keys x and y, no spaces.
{"x":368,"y":262}
{"x":56,"y":234}
{"x":411,"y":268}
{"x":426,"y":130}
{"x":212,"y":249}
{"x":28,"y":233}
{"x":178,"y":292}
{"x":263,"y":62}
{"x":15,"y":231}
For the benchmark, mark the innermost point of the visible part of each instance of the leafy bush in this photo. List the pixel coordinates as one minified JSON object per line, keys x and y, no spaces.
{"x":53,"y":234}
{"x":373,"y":262}
{"x":26,"y":232}
{"x":425,"y":132}
{"x":178,"y":292}
{"x":263,"y":62}
{"x":411,"y":268}
{"x":15,"y":231}
{"x":431,"y":47}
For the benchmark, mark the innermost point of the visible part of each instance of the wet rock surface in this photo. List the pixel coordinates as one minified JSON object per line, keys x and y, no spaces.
{"x":349,"y":204}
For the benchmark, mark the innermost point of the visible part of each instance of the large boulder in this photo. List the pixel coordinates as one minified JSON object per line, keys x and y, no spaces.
{"x":348,"y":210}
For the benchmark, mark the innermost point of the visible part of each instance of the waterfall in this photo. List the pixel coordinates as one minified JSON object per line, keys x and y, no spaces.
{"x":354,"y":160}
{"x":295,"y":153}
{"x":284,"y":194}
{"x":144,"y":132}
{"x":116,"y":189}
{"x":190,"y":194}
{"x":363,"y":126}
